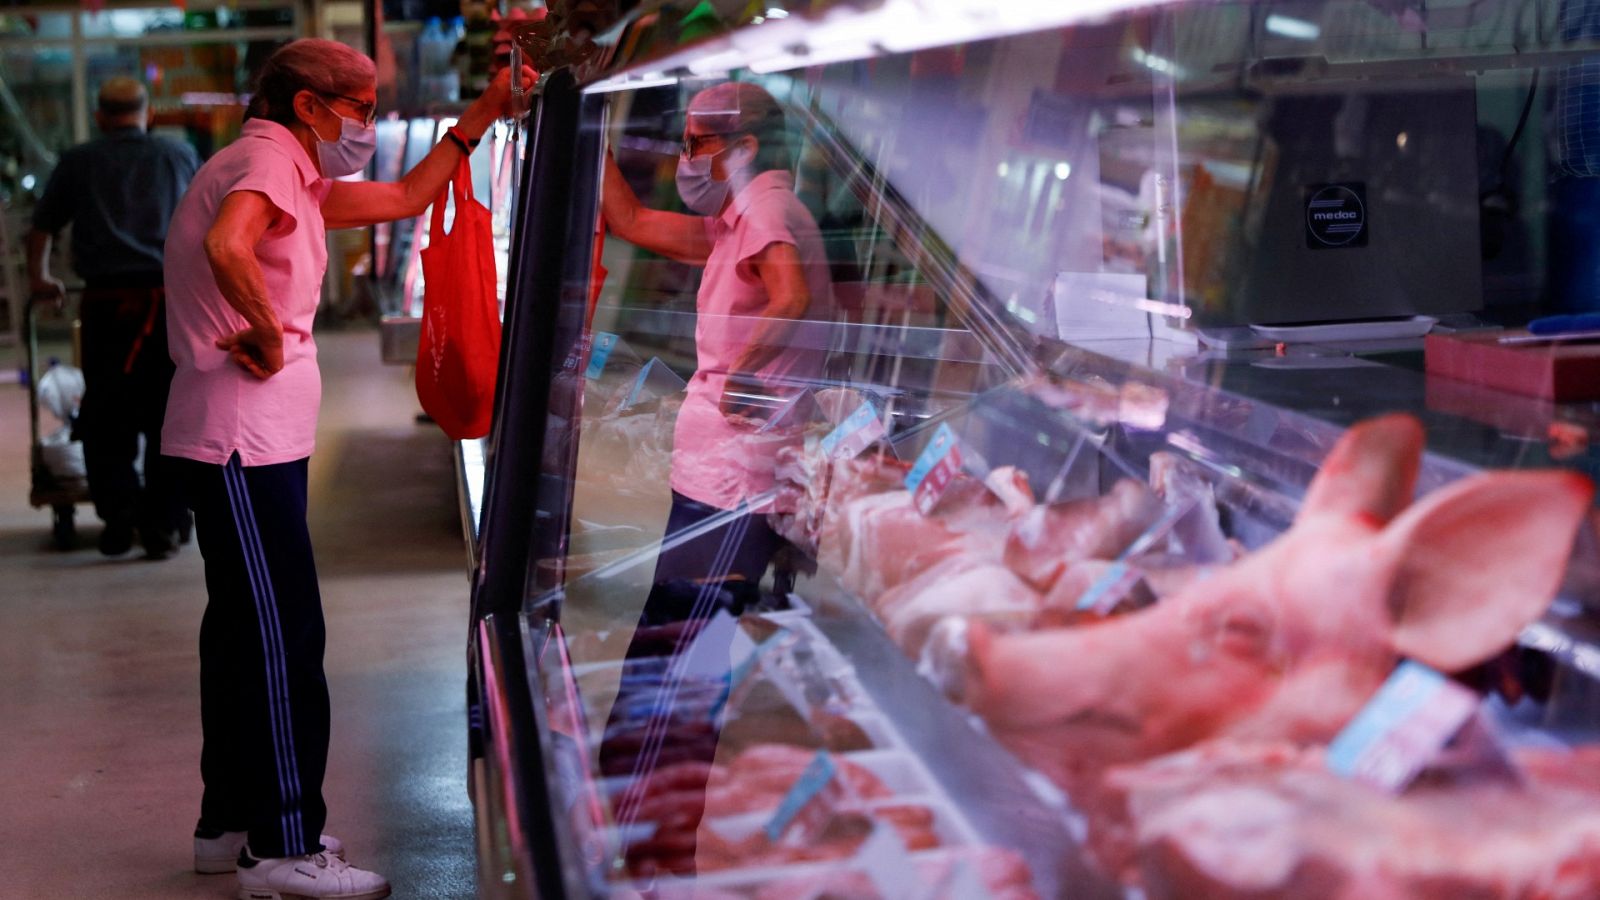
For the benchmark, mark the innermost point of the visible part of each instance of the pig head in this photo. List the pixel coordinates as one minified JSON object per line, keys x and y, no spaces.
{"x":1290,"y":641}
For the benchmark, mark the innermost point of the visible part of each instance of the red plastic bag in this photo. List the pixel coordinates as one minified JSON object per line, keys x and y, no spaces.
{"x":460,"y":347}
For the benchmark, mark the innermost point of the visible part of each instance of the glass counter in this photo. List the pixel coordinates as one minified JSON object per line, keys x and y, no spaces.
{"x":1028,"y":466}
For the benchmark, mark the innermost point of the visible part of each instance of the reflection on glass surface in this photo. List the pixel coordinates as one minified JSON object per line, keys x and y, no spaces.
{"x":949,"y":441}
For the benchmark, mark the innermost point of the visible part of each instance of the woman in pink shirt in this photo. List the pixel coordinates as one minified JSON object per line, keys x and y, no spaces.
{"x":245,"y":257}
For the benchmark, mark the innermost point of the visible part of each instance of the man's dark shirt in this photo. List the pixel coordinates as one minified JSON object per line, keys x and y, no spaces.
{"x":118,"y":191}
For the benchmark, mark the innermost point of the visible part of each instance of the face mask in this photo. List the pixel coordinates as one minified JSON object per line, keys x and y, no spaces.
{"x":351,"y":152}
{"x":703,"y":194}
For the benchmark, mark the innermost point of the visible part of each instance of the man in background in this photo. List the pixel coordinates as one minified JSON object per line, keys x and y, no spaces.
{"x":118,"y":193}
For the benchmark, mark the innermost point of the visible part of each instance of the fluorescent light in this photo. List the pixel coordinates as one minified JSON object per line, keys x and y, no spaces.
{"x":785,"y":41}
{"x":1157,"y":63}
{"x":802,"y":57}
{"x":1289,"y":27}
{"x":631,"y":83}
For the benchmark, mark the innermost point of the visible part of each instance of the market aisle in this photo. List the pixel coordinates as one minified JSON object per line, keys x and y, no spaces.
{"x":99,"y":728}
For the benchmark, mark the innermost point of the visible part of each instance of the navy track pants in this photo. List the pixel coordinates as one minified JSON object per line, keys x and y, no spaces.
{"x":263,"y":695}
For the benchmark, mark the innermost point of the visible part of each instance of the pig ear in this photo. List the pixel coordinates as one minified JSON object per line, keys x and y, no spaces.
{"x":1479,"y":560}
{"x":1372,"y":471}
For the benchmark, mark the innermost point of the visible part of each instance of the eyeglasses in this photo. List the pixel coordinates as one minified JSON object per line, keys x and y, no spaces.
{"x":692,"y":143}
{"x":369,"y":111}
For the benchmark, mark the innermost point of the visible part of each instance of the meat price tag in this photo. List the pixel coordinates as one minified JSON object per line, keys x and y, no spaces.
{"x":707,"y":657}
{"x":599,"y":351}
{"x":1403,"y":726}
{"x":936,"y":468}
{"x":1104,"y":595}
{"x":790,"y":413}
{"x":748,"y":654}
{"x":654,"y":381}
{"x":884,"y":860}
{"x":859,"y":430}
{"x":1107,"y":591}
{"x":811,"y":786}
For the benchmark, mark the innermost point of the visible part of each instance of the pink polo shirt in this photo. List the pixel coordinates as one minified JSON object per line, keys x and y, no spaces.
{"x":716,"y":461}
{"x":216,"y":407}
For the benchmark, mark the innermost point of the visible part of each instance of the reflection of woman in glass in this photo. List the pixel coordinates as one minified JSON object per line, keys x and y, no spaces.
{"x":765,"y":272}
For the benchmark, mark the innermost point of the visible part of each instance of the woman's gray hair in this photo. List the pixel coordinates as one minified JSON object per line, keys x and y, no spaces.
{"x":309,"y":64}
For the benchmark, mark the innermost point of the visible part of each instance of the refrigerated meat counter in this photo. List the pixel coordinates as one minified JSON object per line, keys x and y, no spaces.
{"x":933,"y":458}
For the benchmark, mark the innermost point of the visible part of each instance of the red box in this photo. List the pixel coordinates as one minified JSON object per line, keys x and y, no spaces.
{"x":1562,"y":372}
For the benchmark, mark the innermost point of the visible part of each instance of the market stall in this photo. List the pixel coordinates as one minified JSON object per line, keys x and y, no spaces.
{"x":1112,"y":514}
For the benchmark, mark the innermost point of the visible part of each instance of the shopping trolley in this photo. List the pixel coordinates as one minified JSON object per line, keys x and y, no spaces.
{"x":62,"y":493}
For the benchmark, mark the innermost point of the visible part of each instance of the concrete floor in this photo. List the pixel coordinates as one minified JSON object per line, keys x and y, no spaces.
{"x":99,"y":692}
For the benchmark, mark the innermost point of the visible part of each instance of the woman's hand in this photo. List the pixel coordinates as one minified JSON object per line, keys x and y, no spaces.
{"x":257,"y":350}
{"x":356,"y":204}
{"x":497,"y":101}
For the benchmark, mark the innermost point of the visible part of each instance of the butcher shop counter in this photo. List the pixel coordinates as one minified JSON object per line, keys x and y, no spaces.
{"x":940,"y":606}
{"x":861,"y":656}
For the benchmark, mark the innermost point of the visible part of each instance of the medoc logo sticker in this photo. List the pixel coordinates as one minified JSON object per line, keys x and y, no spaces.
{"x":1336,"y":215}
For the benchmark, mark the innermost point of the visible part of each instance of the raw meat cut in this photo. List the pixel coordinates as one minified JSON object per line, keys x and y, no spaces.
{"x":1045,"y":541}
{"x":1289,"y":642}
{"x":686,"y":801}
{"x":1010,"y":484}
{"x":811,"y":488}
{"x":1273,"y":822}
{"x":760,"y":776}
{"x":1002,"y":873}
{"x":881,"y":540}
{"x":963,"y":586}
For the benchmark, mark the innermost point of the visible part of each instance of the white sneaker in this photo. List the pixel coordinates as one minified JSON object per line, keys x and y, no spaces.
{"x":220,"y":855}
{"x":315,"y":876}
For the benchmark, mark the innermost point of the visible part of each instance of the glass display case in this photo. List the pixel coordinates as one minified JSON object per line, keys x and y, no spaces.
{"x":955,"y":449}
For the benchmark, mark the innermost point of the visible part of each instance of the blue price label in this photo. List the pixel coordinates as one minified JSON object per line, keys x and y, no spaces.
{"x":742,"y":670}
{"x":1109,"y":589}
{"x":935,"y":469}
{"x":599,"y":351}
{"x":805,"y":789}
{"x":640,"y":381}
{"x":859,"y":430}
{"x":1405,"y":724}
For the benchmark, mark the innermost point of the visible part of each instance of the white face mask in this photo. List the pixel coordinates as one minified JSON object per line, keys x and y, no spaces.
{"x":702,"y":193}
{"x":351,"y":152}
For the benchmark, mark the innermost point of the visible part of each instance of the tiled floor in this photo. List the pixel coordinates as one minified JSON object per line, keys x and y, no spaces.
{"x":99,"y":696}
